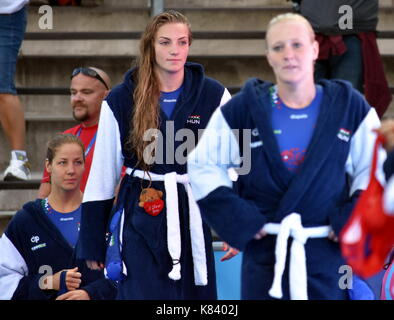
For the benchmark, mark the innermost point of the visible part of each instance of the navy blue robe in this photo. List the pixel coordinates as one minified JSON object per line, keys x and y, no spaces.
{"x":323,"y":192}
{"x":389,"y":165}
{"x":144,"y":249}
{"x":30,"y":246}
{"x":388,"y":199}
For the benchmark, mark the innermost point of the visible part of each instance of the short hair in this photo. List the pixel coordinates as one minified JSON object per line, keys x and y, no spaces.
{"x":60,"y":139}
{"x":291,"y":17}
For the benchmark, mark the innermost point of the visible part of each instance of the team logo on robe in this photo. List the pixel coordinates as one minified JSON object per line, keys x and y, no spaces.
{"x":194,"y":119}
{"x":39,"y":246}
{"x":344,"y":134}
{"x":35,"y":240}
{"x":256,"y":144}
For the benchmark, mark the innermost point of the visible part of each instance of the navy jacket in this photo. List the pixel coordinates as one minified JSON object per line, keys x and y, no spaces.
{"x":31,"y":247}
{"x":144,"y":250}
{"x":389,"y":165}
{"x":323,"y":192}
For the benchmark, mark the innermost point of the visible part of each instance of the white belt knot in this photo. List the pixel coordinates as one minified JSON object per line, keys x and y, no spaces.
{"x":173,"y":227}
{"x":291,"y":226}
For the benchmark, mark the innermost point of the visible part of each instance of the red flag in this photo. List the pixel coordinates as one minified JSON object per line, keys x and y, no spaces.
{"x":367,"y":238}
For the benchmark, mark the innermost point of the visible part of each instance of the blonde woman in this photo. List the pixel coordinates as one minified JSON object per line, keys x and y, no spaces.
{"x":310,"y":152}
{"x":149,"y":123}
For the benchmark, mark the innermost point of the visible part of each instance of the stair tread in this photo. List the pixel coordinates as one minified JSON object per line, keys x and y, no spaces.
{"x":129,"y":48}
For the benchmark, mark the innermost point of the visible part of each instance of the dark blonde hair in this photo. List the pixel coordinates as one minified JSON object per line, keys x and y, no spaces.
{"x":60,"y":139}
{"x":291,"y":17}
{"x":146,"y":95}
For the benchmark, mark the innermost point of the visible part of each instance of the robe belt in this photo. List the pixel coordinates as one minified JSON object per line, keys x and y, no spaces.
{"x":291,"y":226}
{"x":173,"y":226}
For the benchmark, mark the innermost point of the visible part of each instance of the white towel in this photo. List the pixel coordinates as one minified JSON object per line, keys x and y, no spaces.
{"x":291,"y":226}
{"x":198,"y":241}
{"x":173,"y":228}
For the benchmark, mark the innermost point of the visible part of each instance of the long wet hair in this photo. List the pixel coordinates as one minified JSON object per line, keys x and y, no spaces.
{"x":146,"y":111}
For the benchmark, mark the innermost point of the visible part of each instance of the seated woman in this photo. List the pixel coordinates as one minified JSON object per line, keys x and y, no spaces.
{"x":37,"y":248}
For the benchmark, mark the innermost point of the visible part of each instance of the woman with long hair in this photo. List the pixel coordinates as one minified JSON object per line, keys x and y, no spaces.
{"x":158,"y":247}
{"x":309,"y":153}
{"x":37,"y":258}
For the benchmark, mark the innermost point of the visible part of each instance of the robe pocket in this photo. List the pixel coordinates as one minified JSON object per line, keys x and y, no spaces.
{"x":151,"y":228}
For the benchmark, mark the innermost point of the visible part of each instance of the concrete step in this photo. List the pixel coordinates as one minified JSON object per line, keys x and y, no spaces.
{"x":226,"y":4}
{"x":243,"y":3}
{"x":208,"y":16}
{"x":6,"y":214}
{"x":102,"y":5}
{"x":50,"y":108}
{"x":57,"y":72}
{"x":386,"y":21}
{"x":129,"y":48}
{"x":231,"y":71}
{"x":42,"y":118}
{"x":116,"y":4}
{"x":37,"y":116}
{"x":37,"y":134}
{"x":12,"y":200}
{"x":3,"y":224}
{"x":246,"y":17}
{"x":254,"y":19}
{"x":90,"y":20}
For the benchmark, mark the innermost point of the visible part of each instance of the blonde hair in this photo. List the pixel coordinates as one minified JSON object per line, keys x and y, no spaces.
{"x":291,"y":17}
{"x":146,"y":95}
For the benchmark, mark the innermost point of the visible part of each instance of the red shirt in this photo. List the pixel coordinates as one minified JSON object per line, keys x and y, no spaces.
{"x":87,"y":134}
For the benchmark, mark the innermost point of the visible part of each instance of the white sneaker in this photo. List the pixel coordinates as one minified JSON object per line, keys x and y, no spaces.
{"x":17,"y":170}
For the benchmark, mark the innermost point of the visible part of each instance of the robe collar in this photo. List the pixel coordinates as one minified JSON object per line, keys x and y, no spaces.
{"x":335,"y":101}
